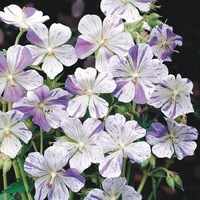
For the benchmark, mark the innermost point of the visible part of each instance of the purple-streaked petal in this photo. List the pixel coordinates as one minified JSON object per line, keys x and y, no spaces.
{"x":3,"y":82}
{"x":3,"y":65}
{"x":38,"y":35}
{"x":163,"y":149}
{"x":59,"y":34}
{"x":58,"y":190}
{"x":78,"y":105}
{"x":137,"y":152}
{"x":98,"y":107}
{"x":96,"y":194}
{"x":184,"y":148}
{"x":73,"y":179}
{"x":56,"y":157}
{"x":51,"y":66}
{"x":104,"y":83}
{"x":10,"y":146}
{"x":25,"y":79}
{"x":66,"y":54}
{"x":41,"y":187}
{"x":130,"y":193}
{"x":18,"y":58}
{"x":143,"y":5}
{"x":21,"y":131}
{"x":36,"y":165}
{"x":112,"y":165}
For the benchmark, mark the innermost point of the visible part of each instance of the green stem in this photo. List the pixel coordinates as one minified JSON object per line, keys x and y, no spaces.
{"x":130,"y":175}
{"x":71,"y":195}
{"x":34,"y":146}
{"x":124,"y":167}
{"x":24,"y":180}
{"x":143,"y":181}
{"x":5,"y":185}
{"x":18,"y":176}
{"x":9,"y":105}
{"x":109,"y":111}
{"x":41,"y":140}
{"x":19,"y":36}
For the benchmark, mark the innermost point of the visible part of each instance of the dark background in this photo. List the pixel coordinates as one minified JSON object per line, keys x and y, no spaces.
{"x":183,"y":16}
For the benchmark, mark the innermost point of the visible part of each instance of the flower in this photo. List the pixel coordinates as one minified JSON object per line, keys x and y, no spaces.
{"x":112,"y":189}
{"x":13,"y":79}
{"x":120,"y":141}
{"x":173,"y":95}
{"x":82,"y":142}
{"x":22,"y":18}
{"x":48,"y":108}
{"x":163,"y":41}
{"x":175,"y":138}
{"x":87,"y":85}
{"x":52,"y":179}
{"x":50,"y":47}
{"x":135,"y":75}
{"x":11,"y":130}
{"x":125,"y":9}
{"x":104,"y":38}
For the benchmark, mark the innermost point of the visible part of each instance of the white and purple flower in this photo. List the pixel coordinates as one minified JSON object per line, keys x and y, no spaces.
{"x":22,"y":17}
{"x":51,"y":179}
{"x":50,"y":47}
{"x":135,"y":75}
{"x":102,"y":38}
{"x":176,"y":138}
{"x":163,"y":41}
{"x":86,"y":85}
{"x":82,"y":142}
{"x":120,"y":141}
{"x":125,"y":9}
{"x":14,"y":81}
{"x":11,"y":130}
{"x":113,"y":188}
{"x":173,"y":95}
{"x":48,"y":108}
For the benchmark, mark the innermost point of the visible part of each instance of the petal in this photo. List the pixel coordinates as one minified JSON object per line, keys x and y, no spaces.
{"x":41,"y":187}
{"x":67,"y":59}
{"x":78,"y":105}
{"x":138,"y":152}
{"x":98,"y":107}
{"x":38,"y":35}
{"x":59,"y":34}
{"x":130,"y":193}
{"x":3,"y":65}
{"x":112,"y":165}
{"x":96,"y":194}
{"x":11,"y":146}
{"x":73,"y":179}
{"x":143,"y":5}
{"x":56,"y":157}
{"x":58,"y":190}
{"x":51,"y":66}
{"x":13,"y":117}
{"x":36,"y":165}
{"x":20,"y":130}
{"x":25,"y":79}
{"x":184,"y":148}
{"x":3,"y":82}
{"x":104,"y":83}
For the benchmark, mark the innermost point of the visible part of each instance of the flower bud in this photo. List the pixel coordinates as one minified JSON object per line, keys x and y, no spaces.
{"x":178,"y":181}
{"x":170,"y":182}
{"x":7,"y":165}
{"x":1,"y":163}
{"x":145,"y":163}
{"x":152,"y":161}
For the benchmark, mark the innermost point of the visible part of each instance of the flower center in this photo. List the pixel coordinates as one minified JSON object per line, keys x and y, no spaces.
{"x":135,"y":78}
{"x":165,"y":46}
{"x":104,"y":42}
{"x":53,"y":175}
{"x":50,"y":51}
{"x":81,"y":146}
{"x":125,"y":1}
{"x":172,"y":137}
{"x":7,"y":132}
{"x":10,"y":78}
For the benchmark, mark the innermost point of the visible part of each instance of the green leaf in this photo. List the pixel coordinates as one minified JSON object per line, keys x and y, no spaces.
{"x":16,"y":187}
{"x":9,"y":197}
{"x":154,"y":187}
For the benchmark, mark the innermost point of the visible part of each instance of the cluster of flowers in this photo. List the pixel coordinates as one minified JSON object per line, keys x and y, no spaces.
{"x":101,"y":117}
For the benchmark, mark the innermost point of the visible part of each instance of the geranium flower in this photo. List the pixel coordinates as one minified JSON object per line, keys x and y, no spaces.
{"x":104,"y":38}
{"x":163,"y":41}
{"x":87,"y":85}
{"x":173,"y":95}
{"x":136,"y":74}
{"x":51,"y":48}
{"x":51,"y":179}
{"x":22,"y":17}
{"x":112,"y":189}
{"x":125,"y":9}
{"x":11,"y":130}
{"x":121,"y":141}
{"x":48,"y":108}
{"x":82,"y":142}
{"x":176,"y":138}
{"x":14,"y":81}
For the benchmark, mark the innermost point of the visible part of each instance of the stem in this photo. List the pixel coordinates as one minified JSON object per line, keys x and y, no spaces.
{"x":124,"y":167}
{"x":130,"y":175}
{"x":19,"y":36}
{"x":41,"y":140}
{"x":71,"y":195}
{"x":5,"y":185}
{"x":34,"y":146}
{"x":142,"y":183}
{"x":24,"y":180}
{"x":9,"y":105}
{"x":18,"y":175}
{"x":109,"y":111}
